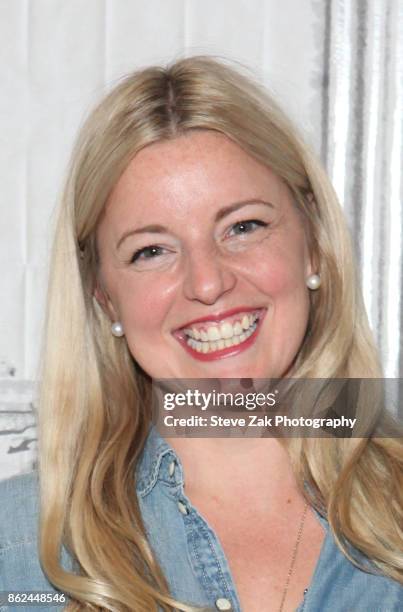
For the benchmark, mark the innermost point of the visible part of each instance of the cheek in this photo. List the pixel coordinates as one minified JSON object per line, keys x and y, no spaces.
{"x":277,"y":271}
{"x":143,"y":305}
{"x":279,"y":274}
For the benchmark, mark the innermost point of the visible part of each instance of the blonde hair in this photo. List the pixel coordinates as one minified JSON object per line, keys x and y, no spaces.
{"x":94,"y":407}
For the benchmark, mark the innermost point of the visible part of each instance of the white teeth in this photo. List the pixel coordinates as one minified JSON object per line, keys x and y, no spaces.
{"x":209,"y":346}
{"x":218,"y":334}
{"x":238,"y":328}
{"x":226,"y":330}
{"x":213,"y":333}
{"x":245,"y":322}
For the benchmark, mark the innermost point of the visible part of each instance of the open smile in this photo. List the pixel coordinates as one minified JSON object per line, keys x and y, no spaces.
{"x":223,"y":335}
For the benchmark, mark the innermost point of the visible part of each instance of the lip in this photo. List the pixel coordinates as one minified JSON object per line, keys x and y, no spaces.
{"x":225,"y":352}
{"x":219,"y":317}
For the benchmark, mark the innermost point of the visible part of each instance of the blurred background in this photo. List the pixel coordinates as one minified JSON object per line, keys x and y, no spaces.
{"x":335,"y":66}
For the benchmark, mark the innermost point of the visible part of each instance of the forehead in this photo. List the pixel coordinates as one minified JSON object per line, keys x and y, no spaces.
{"x":193,"y":170}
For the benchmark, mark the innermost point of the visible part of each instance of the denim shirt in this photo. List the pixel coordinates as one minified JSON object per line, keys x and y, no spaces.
{"x":185,"y":546}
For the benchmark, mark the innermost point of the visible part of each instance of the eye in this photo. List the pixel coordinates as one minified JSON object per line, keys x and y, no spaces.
{"x":247,"y":227}
{"x":148,"y":252}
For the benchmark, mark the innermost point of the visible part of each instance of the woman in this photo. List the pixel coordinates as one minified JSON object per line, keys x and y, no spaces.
{"x":191,"y":204}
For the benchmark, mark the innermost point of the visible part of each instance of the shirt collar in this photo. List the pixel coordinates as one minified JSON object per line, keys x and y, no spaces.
{"x":154,"y":464}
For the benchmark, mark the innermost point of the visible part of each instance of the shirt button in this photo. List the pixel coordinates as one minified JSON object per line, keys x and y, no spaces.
{"x":184,"y":510}
{"x":223,"y":604}
{"x":171,"y":468}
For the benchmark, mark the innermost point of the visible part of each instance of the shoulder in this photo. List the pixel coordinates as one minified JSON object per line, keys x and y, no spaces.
{"x":20,"y":568}
{"x":19,"y":510}
{"x":339,"y":584}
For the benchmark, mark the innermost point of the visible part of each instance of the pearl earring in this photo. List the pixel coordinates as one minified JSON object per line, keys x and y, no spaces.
{"x":313,"y":282}
{"x":117,"y":329}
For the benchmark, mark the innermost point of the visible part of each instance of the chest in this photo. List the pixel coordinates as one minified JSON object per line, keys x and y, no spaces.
{"x":271,"y":563}
{"x":261,"y":577}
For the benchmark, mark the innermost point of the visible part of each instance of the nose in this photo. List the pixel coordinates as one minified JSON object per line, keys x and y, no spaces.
{"x":207,"y":277}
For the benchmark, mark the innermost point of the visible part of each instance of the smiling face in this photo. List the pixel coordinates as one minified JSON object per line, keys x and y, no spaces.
{"x":203,"y":258}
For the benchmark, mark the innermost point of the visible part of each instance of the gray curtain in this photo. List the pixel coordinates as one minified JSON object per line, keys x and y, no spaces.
{"x":362,"y":150}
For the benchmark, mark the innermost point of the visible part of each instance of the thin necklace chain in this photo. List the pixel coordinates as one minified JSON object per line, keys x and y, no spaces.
{"x":293,"y":557}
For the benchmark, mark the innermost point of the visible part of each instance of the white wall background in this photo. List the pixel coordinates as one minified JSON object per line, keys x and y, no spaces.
{"x":334,"y":65}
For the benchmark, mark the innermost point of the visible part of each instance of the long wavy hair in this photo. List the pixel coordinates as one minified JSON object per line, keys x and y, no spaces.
{"x":94,"y":409}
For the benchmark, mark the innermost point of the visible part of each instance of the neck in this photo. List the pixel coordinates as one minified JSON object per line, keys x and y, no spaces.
{"x":257,"y":467}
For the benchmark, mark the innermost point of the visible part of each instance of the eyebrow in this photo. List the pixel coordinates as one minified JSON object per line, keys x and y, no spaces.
{"x":223,"y":212}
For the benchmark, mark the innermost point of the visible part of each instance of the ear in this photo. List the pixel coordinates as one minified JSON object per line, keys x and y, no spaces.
{"x":311,"y":254}
{"x":310,"y":261}
{"x":105,"y":302}
{"x":312,"y":266}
